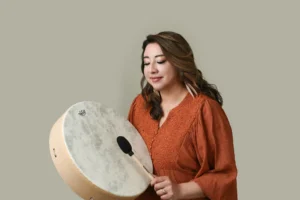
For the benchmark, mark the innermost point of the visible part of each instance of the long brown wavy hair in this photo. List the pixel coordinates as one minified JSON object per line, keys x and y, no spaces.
{"x":179,"y":53}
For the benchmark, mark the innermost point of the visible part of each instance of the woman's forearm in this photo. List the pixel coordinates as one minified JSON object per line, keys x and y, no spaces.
{"x":190,"y":190}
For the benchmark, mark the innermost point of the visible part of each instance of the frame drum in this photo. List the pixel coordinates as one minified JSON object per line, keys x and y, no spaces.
{"x":86,"y":154}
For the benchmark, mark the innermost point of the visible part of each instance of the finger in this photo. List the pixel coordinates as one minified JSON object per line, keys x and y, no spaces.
{"x":161,"y":192}
{"x":166,"y":193}
{"x":153,"y":181}
{"x":158,"y":179}
{"x":166,"y":196}
{"x":161,"y":185}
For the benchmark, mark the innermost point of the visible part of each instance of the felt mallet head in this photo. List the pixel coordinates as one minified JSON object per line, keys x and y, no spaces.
{"x":124,"y":145}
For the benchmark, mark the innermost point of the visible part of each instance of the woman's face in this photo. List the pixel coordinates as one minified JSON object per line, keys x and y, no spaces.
{"x":159,"y":73}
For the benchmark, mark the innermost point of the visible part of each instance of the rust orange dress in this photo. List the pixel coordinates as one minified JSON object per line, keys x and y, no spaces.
{"x":195,"y":143}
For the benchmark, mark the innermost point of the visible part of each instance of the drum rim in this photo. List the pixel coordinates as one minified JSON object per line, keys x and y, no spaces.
{"x":76,"y":164}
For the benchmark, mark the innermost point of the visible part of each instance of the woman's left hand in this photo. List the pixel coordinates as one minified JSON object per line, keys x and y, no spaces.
{"x":165,"y":188}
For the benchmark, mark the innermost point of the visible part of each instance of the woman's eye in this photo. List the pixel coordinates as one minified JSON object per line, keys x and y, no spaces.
{"x":161,"y":62}
{"x":146,"y":63}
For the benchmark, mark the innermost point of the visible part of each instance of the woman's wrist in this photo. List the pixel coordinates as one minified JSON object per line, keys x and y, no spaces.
{"x":189,"y":190}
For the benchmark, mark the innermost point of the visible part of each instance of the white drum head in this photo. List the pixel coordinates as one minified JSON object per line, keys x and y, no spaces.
{"x":89,"y":132}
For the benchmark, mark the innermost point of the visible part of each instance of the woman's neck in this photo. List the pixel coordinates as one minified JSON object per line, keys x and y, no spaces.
{"x":173,"y":96}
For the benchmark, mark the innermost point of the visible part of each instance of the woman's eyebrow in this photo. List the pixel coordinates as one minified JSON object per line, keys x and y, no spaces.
{"x":155,"y":56}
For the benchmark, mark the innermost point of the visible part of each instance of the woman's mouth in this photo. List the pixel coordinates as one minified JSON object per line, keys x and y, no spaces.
{"x":155,"y":79}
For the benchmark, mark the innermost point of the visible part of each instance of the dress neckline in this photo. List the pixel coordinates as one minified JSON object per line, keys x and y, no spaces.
{"x":173,"y":110}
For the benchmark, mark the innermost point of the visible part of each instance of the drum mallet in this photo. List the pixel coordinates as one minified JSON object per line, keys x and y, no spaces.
{"x":127,"y":149}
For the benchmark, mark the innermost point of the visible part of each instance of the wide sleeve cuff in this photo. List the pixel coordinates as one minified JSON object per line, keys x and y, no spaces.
{"x":213,"y":142}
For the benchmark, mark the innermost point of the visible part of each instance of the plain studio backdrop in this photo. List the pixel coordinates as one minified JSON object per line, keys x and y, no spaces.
{"x":56,"y":53}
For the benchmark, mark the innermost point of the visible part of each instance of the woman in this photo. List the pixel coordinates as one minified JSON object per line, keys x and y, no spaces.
{"x":180,"y":117}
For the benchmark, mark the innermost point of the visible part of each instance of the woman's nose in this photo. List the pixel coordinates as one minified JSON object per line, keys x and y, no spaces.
{"x":153,"y":68}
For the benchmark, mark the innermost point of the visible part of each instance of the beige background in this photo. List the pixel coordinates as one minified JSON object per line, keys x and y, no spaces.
{"x":56,"y":53}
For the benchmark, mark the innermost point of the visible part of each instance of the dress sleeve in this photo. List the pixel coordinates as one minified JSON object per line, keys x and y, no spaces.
{"x":130,"y":115}
{"x":213,"y":143}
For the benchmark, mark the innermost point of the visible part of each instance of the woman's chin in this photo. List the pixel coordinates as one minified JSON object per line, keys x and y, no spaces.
{"x":157,"y":88}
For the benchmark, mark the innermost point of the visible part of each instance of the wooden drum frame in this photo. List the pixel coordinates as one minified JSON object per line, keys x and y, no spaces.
{"x":86,"y":155}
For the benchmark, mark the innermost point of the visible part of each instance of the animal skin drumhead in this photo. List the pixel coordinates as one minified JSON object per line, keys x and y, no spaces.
{"x":86,"y":154}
